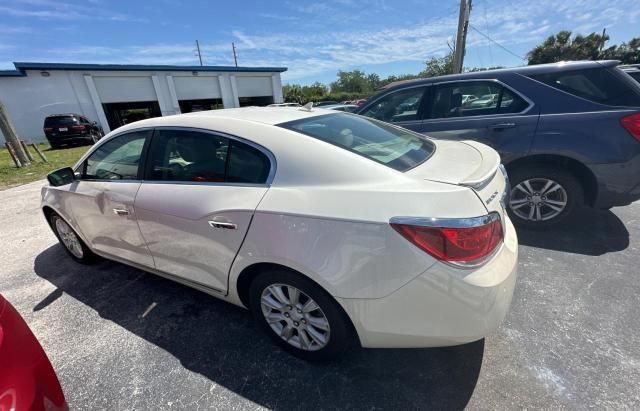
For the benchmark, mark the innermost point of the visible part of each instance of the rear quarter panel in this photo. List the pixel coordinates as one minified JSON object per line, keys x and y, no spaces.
{"x":341,"y":237}
{"x":592,"y":137}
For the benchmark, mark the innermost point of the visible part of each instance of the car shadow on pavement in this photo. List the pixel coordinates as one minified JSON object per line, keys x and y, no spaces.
{"x":589,"y":232}
{"x":222,"y":343}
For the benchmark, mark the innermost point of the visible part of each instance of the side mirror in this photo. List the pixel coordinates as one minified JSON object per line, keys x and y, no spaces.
{"x":94,"y":123}
{"x":61,"y":177}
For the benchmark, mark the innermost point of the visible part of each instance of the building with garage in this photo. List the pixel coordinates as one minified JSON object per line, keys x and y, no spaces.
{"x":114,"y":95}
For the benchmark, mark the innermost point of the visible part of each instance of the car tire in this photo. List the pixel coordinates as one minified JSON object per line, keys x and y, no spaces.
{"x":552,"y":193}
{"x":309,"y":333}
{"x":71,"y":241}
{"x":54,"y":146}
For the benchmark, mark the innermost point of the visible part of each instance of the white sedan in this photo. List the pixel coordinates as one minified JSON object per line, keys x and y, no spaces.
{"x":332,"y":228}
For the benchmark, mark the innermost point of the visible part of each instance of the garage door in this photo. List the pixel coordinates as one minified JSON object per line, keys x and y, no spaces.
{"x":254,"y":86}
{"x":123,"y":89}
{"x":197,"y":88}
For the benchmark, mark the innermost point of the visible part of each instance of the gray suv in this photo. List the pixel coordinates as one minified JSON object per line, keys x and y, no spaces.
{"x":568,"y":133}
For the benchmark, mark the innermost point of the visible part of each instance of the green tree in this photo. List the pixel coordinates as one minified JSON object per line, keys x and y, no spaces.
{"x":351,"y":82}
{"x":292,"y":93}
{"x":438,"y":66}
{"x":628,"y":53}
{"x":561,"y":46}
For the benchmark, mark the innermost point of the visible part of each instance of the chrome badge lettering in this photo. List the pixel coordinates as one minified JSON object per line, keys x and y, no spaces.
{"x":490,"y":199}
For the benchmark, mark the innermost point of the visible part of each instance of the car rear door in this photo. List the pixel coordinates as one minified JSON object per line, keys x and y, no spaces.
{"x":482,"y":110}
{"x":197,"y":201}
{"x":102,"y":199}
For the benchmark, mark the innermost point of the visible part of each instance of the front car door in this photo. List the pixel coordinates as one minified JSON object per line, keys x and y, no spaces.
{"x":402,"y":107}
{"x":102,"y":199}
{"x":197,"y":201}
{"x":483,"y":110}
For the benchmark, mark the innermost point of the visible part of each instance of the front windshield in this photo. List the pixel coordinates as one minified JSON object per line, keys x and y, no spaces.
{"x":392,"y":146}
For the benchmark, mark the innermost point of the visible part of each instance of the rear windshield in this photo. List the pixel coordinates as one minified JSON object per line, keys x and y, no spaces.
{"x":598,"y":85}
{"x":392,"y":146}
{"x":635,"y":75}
{"x":60,"y":121}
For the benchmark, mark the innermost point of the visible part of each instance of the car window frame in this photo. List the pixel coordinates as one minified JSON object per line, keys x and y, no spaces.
{"x":81,"y":168}
{"x":270,"y":156}
{"x":525,"y":111}
{"x":421,"y":108}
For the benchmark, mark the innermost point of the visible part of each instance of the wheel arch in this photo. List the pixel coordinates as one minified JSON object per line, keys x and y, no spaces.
{"x":251,"y":272}
{"x":580,"y":171}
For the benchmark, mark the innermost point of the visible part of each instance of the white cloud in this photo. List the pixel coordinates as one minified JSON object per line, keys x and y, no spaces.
{"x":308,"y":52}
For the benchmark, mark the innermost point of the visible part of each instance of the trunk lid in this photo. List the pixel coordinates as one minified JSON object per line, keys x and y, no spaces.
{"x":470,"y":164}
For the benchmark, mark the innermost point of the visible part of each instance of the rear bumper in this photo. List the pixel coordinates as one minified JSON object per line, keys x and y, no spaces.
{"x":444,"y":306}
{"x":618,"y":183}
{"x":68,"y":137}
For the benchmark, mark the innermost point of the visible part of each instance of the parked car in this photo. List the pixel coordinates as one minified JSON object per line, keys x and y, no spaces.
{"x":27,"y":379}
{"x":332,"y":228}
{"x":60,"y":129}
{"x":360,"y":102}
{"x":325,"y":103}
{"x":349,"y":108}
{"x":568,"y":133}
{"x":633,"y":70}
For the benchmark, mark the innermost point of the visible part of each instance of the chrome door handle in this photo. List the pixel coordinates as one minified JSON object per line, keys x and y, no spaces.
{"x":120,"y":211}
{"x":224,"y":225}
{"x":500,"y":126}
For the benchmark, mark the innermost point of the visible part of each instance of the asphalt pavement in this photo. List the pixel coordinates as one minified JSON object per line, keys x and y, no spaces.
{"x":120,"y":338}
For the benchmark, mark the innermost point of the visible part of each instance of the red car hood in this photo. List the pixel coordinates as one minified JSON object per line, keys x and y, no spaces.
{"x":27,"y":379}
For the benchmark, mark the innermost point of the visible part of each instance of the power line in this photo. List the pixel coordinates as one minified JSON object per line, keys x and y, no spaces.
{"x":496,"y":43}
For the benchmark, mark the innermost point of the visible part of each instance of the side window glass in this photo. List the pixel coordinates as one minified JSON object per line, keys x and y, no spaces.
{"x":398,"y":106}
{"x":247,"y":165}
{"x":117,"y":159}
{"x":469,"y":99}
{"x":182,"y":155}
{"x":511,"y":102}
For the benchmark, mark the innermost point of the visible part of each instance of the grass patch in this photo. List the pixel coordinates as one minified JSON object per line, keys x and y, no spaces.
{"x":11,"y":176}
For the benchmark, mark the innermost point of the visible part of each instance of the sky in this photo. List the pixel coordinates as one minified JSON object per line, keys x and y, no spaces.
{"x":313,"y":39}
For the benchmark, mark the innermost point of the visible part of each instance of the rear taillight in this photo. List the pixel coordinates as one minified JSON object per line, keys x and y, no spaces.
{"x":78,"y":127}
{"x":632,"y":125}
{"x":47,"y":129}
{"x":463,"y":242}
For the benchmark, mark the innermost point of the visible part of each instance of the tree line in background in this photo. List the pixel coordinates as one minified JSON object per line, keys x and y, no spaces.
{"x":356,"y":84}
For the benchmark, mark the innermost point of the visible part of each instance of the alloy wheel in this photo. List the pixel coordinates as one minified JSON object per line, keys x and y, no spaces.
{"x":295,"y":317}
{"x":538,"y":199}
{"x":69,"y":238}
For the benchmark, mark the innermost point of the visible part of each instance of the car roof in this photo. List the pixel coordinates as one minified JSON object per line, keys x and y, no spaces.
{"x":64,"y":115}
{"x":526,"y":70}
{"x":264,"y":115}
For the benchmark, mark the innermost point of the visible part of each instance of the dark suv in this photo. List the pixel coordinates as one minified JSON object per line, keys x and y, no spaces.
{"x":568,"y":133}
{"x":633,"y":70}
{"x":70,"y":128}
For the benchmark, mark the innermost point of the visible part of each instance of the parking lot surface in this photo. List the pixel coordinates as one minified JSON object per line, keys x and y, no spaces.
{"x":120,"y":338}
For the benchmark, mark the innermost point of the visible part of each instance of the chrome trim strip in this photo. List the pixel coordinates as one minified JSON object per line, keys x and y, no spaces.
{"x":263,"y":150}
{"x":525,"y":98}
{"x":494,"y":80}
{"x":507,"y":187}
{"x":447,"y":222}
{"x":392,"y":92}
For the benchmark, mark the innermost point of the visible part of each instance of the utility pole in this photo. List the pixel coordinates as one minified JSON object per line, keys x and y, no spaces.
{"x":461,"y":37}
{"x":235,"y":56}
{"x":199,"y":54}
{"x":11,"y":137}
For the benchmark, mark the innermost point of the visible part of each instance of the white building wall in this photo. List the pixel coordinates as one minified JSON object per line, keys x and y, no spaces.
{"x":28,"y":100}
